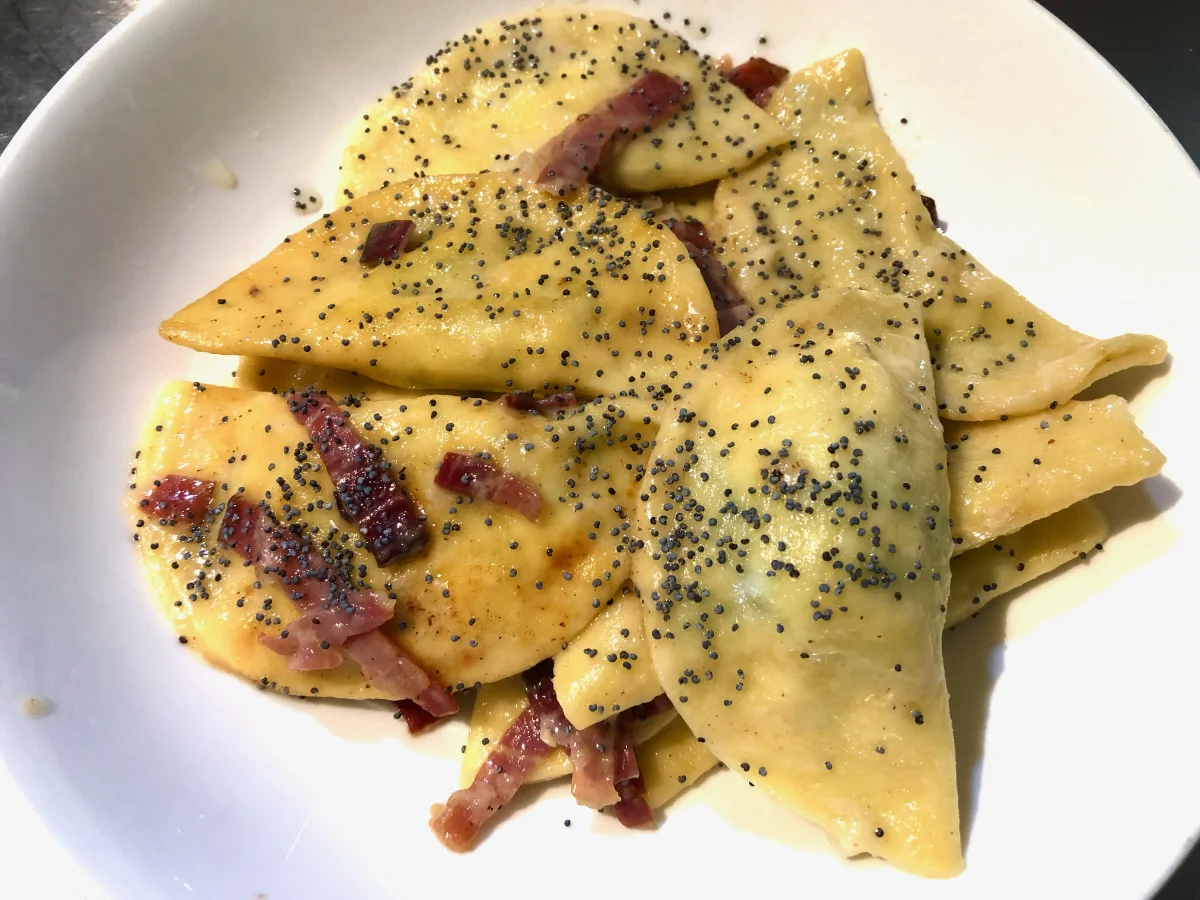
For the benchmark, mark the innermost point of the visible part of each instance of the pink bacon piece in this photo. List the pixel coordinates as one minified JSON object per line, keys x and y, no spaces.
{"x":336,"y":620}
{"x":604,"y":766}
{"x":368,"y":494}
{"x":526,"y":401}
{"x":458,"y":821}
{"x":417,"y":718}
{"x":592,"y":750}
{"x":758,"y":78}
{"x":177,"y":498}
{"x":570,"y":159}
{"x":631,"y":809}
{"x":732,"y":308}
{"x":386,"y":241}
{"x":483,"y":480}
{"x":390,"y":669}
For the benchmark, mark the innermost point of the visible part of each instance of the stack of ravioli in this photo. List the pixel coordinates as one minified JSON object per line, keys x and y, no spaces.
{"x":771,"y":526}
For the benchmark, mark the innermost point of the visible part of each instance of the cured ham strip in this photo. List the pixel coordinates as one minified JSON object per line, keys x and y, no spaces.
{"x":592,"y":750}
{"x":757,"y":78}
{"x":386,"y":241}
{"x":732,"y":308}
{"x":571,"y":158}
{"x":368,"y":493}
{"x":481,"y":479}
{"x":631,"y":809}
{"x":527,"y":401}
{"x":415,"y":717}
{"x":336,"y":620}
{"x":457,"y":822}
{"x":604,"y":765}
{"x":314,"y":640}
{"x":177,"y":498}
{"x":317,"y":584}
{"x":390,"y":669}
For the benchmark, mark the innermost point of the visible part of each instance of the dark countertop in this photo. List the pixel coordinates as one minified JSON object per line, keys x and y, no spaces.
{"x":1156,"y":47}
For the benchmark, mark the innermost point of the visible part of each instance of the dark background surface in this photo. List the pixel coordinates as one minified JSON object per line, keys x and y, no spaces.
{"x":1155,"y":44}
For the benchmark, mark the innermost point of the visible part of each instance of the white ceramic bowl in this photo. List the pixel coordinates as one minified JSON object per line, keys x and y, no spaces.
{"x":1074,"y":703}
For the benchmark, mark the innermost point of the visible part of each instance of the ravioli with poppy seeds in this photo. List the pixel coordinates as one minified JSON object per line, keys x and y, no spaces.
{"x":509,"y":86}
{"x":841,"y":208}
{"x":493,"y":592}
{"x":796,"y":571}
{"x":500,"y":288}
{"x":690,"y":477}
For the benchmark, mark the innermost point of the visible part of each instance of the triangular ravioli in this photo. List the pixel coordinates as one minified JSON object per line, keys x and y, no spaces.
{"x":796,"y":570}
{"x":510,"y":85}
{"x":492,"y":594}
{"x":841,"y":208}
{"x":501,"y":287}
{"x":1011,"y":473}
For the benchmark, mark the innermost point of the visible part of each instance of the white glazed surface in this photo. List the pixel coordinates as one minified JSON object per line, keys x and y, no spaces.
{"x":1074,"y":702}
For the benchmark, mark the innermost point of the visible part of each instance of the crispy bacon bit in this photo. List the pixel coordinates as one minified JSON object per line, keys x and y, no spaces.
{"x":527,"y":401}
{"x":632,"y":810}
{"x":592,"y":750}
{"x":386,"y":241}
{"x":390,"y":669}
{"x":457,"y":822}
{"x":570,"y":159}
{"x":336,"y":620}
{"x":479,"y":478}
{"x":417,"y":718}
{"x":332,"y":611}
{"x":176,"y":498}
{"x":604,"y":765}
{"x":368,"y":494}
{"x":758,"y":78}
{"x":315,"y":640}
{"x":931,"y":206}
{"x":732,"y":308}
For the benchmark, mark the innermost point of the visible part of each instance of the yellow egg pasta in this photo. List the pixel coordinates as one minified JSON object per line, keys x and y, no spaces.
{"x":1009,"y":474}
{"x":510,"y":85}
{"x":500,"y":289}
{"x":796,"y":571}
{"x":841,"y":208}
{"x":1010,"y":561}
{"x":606,"y":667}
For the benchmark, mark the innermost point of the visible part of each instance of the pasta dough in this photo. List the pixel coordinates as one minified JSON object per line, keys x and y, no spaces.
{"x":606,"y":668}
{"x":501,"y":289}
{"x":254,"y":373}
{"x":1008,"y":562}
{"x":512,"y":85}
{"x":841,"y":209}
{"x":1009,"y":474}
{"x":795,"y":573}
{"x":492,"y":595}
